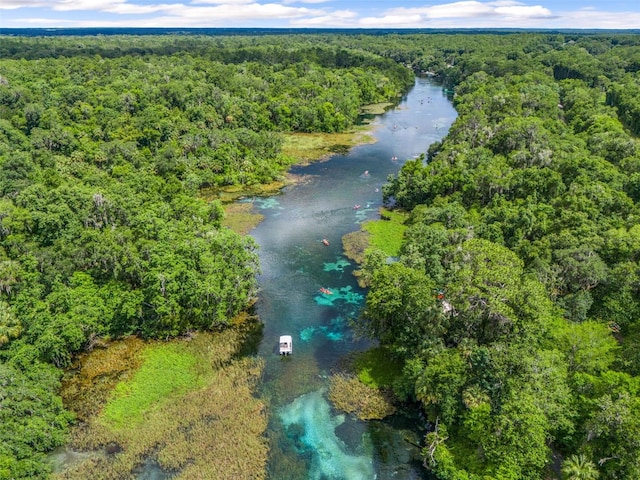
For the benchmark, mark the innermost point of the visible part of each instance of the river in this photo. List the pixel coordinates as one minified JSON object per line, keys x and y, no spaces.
{"x":309,"y":439}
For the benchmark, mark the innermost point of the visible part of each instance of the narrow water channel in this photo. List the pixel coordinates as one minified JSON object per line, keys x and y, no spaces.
{"x":308,"y":438}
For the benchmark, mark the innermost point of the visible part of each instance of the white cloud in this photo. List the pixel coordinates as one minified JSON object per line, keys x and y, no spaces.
{"x":14,"y":4}
{"x":291,"y":2}
{"x":473,"y":9}
{"x":255,"y":11}
{"x":222,"y":2}
{"x":525,"y":12}
{"x":388,"y":21}
{"x":338,"y":18}
{"x":590,"y":18}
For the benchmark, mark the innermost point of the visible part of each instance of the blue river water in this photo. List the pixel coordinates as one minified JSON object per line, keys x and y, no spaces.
{"x":308,"y":438}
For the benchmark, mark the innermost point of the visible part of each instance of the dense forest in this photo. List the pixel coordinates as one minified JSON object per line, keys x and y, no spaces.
{"x":514,"y":303}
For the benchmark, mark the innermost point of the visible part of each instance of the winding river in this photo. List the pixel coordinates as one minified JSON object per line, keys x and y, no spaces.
{"x":309,"y":439}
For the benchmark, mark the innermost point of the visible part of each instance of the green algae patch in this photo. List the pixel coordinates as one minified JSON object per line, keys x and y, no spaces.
{"x":387,"y":233}
{"x":167,"y":370}
{"x":361,"y":384}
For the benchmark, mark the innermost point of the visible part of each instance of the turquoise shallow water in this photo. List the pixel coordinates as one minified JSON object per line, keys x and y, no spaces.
{"x":309,"y":439}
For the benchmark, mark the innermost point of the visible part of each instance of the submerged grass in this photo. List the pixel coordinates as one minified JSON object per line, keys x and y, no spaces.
{"x":350,"y":395}
{"x":355,"y":244}
{"x":193,"y":414}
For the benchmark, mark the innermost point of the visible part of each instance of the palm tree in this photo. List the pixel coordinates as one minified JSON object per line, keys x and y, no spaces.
{"x":579,"y":467}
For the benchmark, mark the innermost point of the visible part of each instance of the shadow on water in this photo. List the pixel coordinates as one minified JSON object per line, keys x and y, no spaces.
{"x":308,"y":291}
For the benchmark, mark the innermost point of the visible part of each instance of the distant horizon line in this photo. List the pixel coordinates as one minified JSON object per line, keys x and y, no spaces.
{"x":59,"y":31}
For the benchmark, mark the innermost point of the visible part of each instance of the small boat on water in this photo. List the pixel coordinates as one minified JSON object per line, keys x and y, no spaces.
{"x":326,"y":291}
{"x":286,"y":345}
{"x":325,"y":241}
{"x":356,"y":207}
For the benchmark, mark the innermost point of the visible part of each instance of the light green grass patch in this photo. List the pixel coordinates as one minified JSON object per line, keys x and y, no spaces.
{"x":387,"y":234}
{"x":167,"y":370}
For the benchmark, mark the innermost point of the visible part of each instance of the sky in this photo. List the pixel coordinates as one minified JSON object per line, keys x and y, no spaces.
{"x":555,"y":14}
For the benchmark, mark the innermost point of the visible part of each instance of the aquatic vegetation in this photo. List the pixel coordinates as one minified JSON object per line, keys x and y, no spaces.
{"x":231,"y":193}
{"x":310,"y":420}
{"x":345,"y":294}
{"x":306,"y":147}
{"x":350,"y":395}
{"x":354,"y":245}
{"x":338,"y":266}
{"x":297,"y":376}
{"x":376,"y":108}
{"x":93,"y":376}
{"x":240,"y":217}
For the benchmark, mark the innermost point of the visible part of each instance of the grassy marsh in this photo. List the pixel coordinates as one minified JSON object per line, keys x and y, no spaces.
{"x":376,"y":108}
{"x":188,"y":408}
{"x":308,"y":147}
{"x":241,"y":218}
